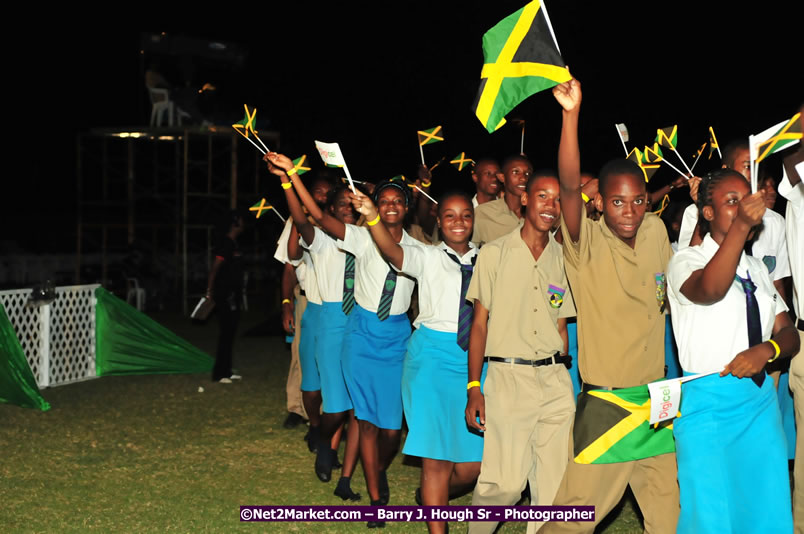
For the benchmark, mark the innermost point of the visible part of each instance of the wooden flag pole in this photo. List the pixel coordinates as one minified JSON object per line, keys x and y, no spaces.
{"x":621,"y":140}
{"x":522,"y":140}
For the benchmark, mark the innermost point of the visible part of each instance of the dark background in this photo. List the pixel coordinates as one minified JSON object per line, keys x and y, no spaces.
{"x":371,"y":74}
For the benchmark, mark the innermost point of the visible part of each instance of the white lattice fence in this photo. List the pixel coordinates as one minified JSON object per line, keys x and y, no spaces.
{"x":59,"y":338}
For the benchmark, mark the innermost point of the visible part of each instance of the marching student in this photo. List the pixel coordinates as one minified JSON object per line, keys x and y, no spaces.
{"x":331,"y":268}
{"x":521,"y":304}
{"x":616,"y":269}
{"x":484,"y":175}
{"x":435,"y":368}
{"x":377,"y":330}
{"x":730,"y":443}
{"x":498,"y":217}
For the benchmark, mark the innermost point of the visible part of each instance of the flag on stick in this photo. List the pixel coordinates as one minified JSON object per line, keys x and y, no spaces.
{"x":774,"y":139}
{"x":713,"y":144}
{"x":262,"y":206}
{"x":300,"y":164}
{"x":668,"y":137}
{"x":331,"y":154}
{"x":427,"y":137}
{"x":461,"y":161}
{"x":653,"y":155}
{"x":697,"y":156}
{"x":521,"y":57}
{"x":247,"y":125}
{"x":622,"y":131}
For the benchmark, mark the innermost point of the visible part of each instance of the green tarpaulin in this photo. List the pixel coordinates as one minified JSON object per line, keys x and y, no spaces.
{"x":17,"y":383}
{"x":128,"y":342}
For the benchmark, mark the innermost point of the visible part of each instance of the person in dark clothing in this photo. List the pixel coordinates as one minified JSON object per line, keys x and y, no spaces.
{"x":225,"y":288}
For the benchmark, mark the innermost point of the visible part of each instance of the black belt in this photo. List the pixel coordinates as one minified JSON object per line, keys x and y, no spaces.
{"x":588,"y":387}
{"x":302,"y":293}
{"x":800,"y":325}
{"x":556,"y":358}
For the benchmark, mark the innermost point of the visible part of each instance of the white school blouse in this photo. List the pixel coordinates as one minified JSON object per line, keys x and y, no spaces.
{"x":371,"y":270}
{"x":329,"y":262}
{"x":769,"y":243}
{"x":710,"y":336}
{"x":439,"y":283}
{"x":305,"y":273}
{"x":794,"y":217}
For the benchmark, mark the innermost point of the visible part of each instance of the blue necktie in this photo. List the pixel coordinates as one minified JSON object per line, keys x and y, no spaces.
{"x":752,"y":312}
{"x":387,"y":297}
{"x":348,"y":301}
{"x":464,"y":308}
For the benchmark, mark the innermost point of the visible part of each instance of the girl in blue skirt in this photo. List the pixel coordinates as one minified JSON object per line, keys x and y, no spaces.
{"x":727,"y":317}
{"x":435,"y":370}
{"x":377,"y":330}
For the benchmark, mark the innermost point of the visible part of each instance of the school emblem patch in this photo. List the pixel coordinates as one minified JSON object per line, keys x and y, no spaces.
{"x":661,"y":290}
{"x":350,"y":283}
{"x":770,"y":262}
{"x":390,"y":285}
{"x":556,"y":296}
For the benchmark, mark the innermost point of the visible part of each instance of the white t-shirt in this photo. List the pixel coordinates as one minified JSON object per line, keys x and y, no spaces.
{"x":371,"y":270}
{"x":329,"y":263}
{"x":439,"y":283}
{"x":305,"y":273}
{"x":710,"y":336}
{"x":769,"y":246}
{"x":794,"y":217}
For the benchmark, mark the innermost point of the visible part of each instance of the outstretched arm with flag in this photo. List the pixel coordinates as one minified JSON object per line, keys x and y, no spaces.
{"x":569,"y":158}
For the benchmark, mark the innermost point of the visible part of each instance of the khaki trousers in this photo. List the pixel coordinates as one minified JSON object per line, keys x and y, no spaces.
{"x":529,"y":414}
{"x":797,"y":387}
{"x":293,"y":386}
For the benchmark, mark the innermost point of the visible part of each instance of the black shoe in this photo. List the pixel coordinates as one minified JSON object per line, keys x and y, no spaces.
{"x":344,"y":490}
{"x":376,"y":524}
{"x":418,"y":496}
{"x":293,"y":420}
{"x":323,"y":465}
{"x":335,"y":463}
{"x":312,"y":438}
{"x":385,"y":491}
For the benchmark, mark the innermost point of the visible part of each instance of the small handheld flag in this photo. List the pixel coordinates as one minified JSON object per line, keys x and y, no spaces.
{"x":331,"y":154}
{"x":261,"y":206}
{"x":300,"y":164}
{"x":774,"y":139}
{"x":461,"y":161}
{"x":622,"y":131}
{"x":521,"y":58}
{"x":653,"y":155}
{"x":427,"y":137}
{"x":713,"y":144}
{"x":668,"y":137}
{"x":697,"y":156}
{"x":247,"y":125}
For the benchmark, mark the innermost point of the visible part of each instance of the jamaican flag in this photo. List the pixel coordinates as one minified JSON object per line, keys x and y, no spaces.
{"x":521,"y":58}
{"x":612,"y":427}
{"x":713,"y":143}
{"x":433,"y":135}
{"x":787,"y":133}
{"x":641,"y":159}
{"x":259,"y":207}
{"x":301,"y":165}
{"x":667,"y":137}
{"x":461,"y":161}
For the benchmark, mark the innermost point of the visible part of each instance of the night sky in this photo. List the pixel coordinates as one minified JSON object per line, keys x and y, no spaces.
{"x":371,"y":76}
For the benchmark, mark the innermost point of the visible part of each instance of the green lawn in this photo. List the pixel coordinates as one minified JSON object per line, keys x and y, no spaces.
{"x":153,"y":454}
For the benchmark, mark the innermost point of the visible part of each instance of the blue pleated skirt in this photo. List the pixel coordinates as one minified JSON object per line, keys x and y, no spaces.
{"x":372,"y":356}
{"x":310,"y":323}
{"x":434,"y":379}
{"x":732,"y":458}
{"x":331,"y":330}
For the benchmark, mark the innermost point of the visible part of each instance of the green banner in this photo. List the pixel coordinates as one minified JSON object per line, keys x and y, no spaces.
{"x":128,"y":342}
{"x":17,"y":383}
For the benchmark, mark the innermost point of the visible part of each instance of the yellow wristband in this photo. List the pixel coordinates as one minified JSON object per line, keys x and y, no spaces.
{"x":776,"y":347}
{"x":472,"y":384}
{"x":292,"y":171}
{"x":585,"y":197}
{"x":285,"y":301}
{"x":287,"y":185}
{"x":375,"y":221}
{"x":427,"y":184}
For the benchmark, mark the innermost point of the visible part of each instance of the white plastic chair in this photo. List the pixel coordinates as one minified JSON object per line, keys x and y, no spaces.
{"x":135,"y":293}
{"x":161,"y":103}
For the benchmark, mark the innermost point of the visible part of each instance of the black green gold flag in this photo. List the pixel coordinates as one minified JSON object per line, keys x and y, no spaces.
{"x":788,"y":133}
{"x":521,"y":58}
{"x":612,"y":427}
{"x":433,"y":135}
{"x":301,"y":165}
{"x":713,"y":143}
{"x":260,"y":207}
{"x":667,"y":137}
{"x":461,"y":161}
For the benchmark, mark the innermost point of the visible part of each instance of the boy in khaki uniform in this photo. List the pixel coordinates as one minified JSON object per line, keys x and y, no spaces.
{"x":616,"y":269}
{"x":498,"y":217}
{"x":521,"y":302}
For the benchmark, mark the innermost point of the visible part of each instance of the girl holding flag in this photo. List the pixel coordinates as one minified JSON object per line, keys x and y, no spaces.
{"x":727,"y":316}
{"x":435,"y":369}
{"x":377,"y":330}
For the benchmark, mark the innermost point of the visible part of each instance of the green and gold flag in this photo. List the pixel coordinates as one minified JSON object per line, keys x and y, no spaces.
{"x":652,"y":154}
{"x":521,"y":57}
{"x":641,"y":159}
{"x":713,"y":143}
{"x":247,"y":124}
{"x":786,"y":134}
{"x":461,"y":161}
{"x":260,"y":207}
{"x":433,"y":135}
{"x":612,"y":427}
{"x":700,"y":151}
{"x":667,"y":137}
{"x":301,"y":165}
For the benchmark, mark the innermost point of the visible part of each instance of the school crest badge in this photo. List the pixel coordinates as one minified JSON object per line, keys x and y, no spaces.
{"x":556,"y":296}
{"x":770,"y":262}
{"x":661,"y":290}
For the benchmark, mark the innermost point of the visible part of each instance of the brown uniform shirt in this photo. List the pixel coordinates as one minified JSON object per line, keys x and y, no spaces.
{"x":492,"y":220}
{"x":523,"y":296}
{"x":618,"y":291}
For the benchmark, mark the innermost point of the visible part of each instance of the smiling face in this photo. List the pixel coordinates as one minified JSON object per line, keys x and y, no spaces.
{"x":623,"y":202}
{"x":341,"y":208}
{"x":485,"y":176}
{"x":391,"y":206}
{"x":319,"y":192}
{"x":725,"y":201}
{"x":456,"y":220}
{"x":542,"y":203}
{"x":516,"y":173}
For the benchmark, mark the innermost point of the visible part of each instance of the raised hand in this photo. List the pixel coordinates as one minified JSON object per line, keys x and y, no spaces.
{"x":695,"y":183}
{"x":752,"y":208}
{"x":363,"y":205}
{"x":278,"y":164}
{"x":568,"y":94}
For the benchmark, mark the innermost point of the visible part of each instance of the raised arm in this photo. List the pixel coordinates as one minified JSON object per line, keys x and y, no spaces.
{"x":300,"y":220}
{"x":330,"y":224}
{"x":569,"y":157}
{"x":385,"y":242}
{"x":710,"y":284}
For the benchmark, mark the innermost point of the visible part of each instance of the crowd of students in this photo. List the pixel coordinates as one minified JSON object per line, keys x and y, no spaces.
{"x":484,"y":382}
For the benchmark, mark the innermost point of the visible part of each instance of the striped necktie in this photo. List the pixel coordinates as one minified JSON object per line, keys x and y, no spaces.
{"x":387,"y":297}
{"x":464,"y":308}
{"x":348,"y":301}
{"x":754,"y":326}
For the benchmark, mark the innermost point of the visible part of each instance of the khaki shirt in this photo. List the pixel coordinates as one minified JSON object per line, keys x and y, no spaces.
{"x":492,"y":220}
{"x":524,"y":297}
{"x":619,"y":290}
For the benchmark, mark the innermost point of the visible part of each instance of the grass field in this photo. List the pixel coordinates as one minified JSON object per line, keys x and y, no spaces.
{"x":153,"y":454}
